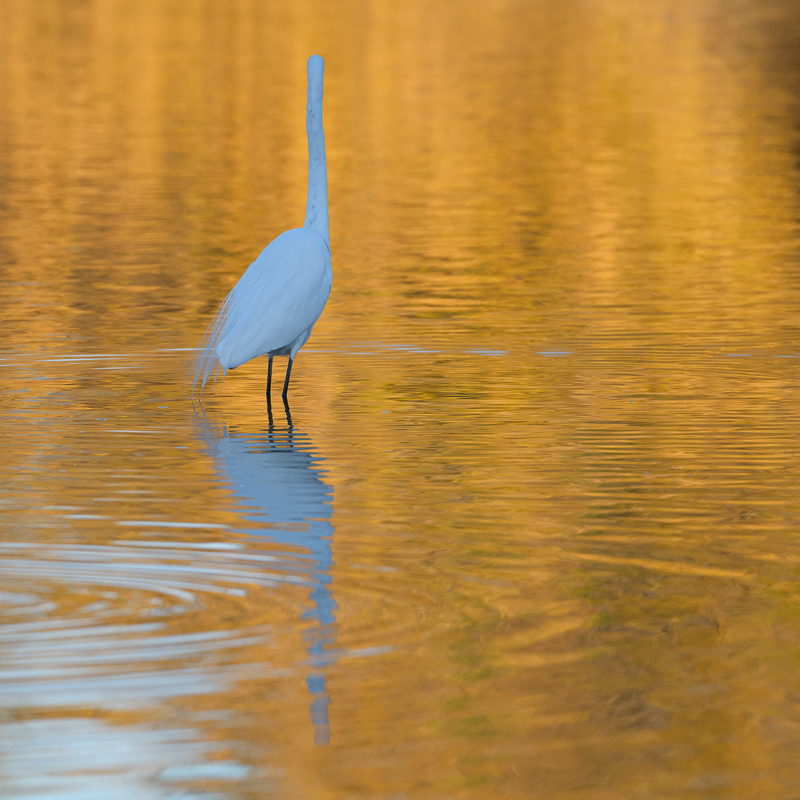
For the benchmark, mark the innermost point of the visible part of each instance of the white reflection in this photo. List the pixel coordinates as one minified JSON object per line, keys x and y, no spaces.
{"x":277,"y":476}
{"x":87,"y":759}
{"x":59,"y":653}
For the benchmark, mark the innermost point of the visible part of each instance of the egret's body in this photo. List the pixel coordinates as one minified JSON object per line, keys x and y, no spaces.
{"x":273,"y":307}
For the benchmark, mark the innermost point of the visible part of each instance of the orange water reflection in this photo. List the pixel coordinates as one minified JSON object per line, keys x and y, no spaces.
{"x":544,"y":451}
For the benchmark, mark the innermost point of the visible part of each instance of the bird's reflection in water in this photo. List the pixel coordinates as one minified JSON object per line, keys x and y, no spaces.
{"x":276,"y":474}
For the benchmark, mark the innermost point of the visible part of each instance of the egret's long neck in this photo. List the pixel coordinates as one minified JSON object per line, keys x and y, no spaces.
{"x":317,"y":204}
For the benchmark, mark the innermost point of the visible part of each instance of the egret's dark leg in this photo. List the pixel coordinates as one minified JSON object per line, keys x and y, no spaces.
{"x":269,"y":412}
{"x":269,"y":376}
{"x":286,"y":382}
{"x":288,"y":415}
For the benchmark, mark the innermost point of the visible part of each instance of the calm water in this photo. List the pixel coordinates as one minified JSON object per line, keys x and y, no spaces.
{"x":533,"y":527}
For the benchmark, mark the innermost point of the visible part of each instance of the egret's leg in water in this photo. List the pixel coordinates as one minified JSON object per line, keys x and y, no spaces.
{"x":269,"y":413}
{"x":286,"y":382}
{"x":269,"y":376}
{"x":288,"y":413}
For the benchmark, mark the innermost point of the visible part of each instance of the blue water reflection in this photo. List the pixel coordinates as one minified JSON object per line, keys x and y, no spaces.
{"x":276,"y":476}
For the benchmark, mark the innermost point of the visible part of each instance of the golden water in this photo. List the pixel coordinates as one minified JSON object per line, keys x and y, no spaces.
{"x":534,"y":530}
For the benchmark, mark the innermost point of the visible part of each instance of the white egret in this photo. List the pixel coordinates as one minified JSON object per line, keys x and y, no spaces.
{"x":275,"y":304}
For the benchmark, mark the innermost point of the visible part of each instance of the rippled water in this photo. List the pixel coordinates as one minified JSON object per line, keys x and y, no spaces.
{"x":530,"y":525}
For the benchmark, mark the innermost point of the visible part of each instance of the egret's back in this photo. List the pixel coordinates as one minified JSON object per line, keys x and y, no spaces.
{"x":273,"y":307}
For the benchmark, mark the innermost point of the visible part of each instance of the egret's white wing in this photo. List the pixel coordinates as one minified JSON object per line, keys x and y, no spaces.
{"x":279,"y":297}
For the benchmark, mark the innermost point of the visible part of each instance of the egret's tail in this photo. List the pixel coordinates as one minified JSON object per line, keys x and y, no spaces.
{"x":205,"y":363}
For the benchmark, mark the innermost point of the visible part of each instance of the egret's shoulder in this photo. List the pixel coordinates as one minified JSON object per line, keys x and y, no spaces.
{"x":299,"y":253}
{"x":300,"y":238}
{"x":294,"y":248}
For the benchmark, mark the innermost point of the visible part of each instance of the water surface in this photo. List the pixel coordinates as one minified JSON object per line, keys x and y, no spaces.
{"x":530,"y":527}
